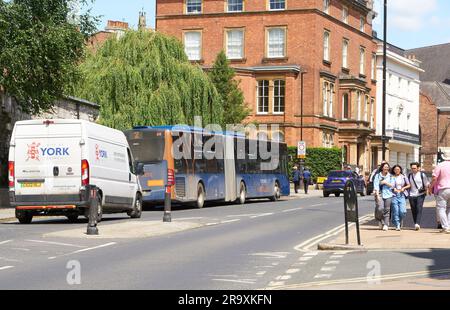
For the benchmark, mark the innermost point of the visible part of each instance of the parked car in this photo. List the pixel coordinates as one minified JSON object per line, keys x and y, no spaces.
{"x":51,"y":163}
{"x":336,"y":181}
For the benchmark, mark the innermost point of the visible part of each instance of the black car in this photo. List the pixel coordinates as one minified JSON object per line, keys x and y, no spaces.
{"x":336,"y":180}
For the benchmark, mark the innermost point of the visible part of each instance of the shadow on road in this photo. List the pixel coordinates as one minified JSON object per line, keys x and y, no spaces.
{"x":439,"y":269}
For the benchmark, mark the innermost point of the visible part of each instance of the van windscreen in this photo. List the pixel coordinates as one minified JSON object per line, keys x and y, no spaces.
{"x":147,"y":146}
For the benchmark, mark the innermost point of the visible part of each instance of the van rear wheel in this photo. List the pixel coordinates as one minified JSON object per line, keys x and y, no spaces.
{"x":99,"y":211}
{"x":72,"y":218}
{"x":24,"y":217}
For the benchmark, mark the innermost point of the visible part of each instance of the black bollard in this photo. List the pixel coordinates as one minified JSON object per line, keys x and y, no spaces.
{"x":168,"y":205}
{"x":93,"y":211}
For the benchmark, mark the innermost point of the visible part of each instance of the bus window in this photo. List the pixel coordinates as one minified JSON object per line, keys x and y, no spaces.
{"x":147,"y":146}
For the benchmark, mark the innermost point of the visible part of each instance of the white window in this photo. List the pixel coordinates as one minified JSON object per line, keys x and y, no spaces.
{"x":263,"y":97}
{"x":366,"y":108}
{"x":279,"y":87}
{"x":326,"y":46}
{"x":408,"y":118}
{"x":362,"y":23}
{"x":374,"y":64}
{"x":345,"y":54}
{"x":331,"y":99}
{"x":389,"y":122}
{"x":372,"y":113}
{"x":345,"y":14}
{"x":235,"y":5}
{"x":362,"y":58}
{"x":276,"y":42}
{"x":235,"y":44}
{"x":277,"y":4}
{"x":193,"y":44}
{"x":193,"y":6}
{"x":358,"y":98}
{"x":325,"y":98}
{"x":326,"y":6}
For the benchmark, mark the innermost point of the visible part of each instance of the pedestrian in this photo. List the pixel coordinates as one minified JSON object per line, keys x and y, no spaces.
{"x":399,"y":199}
{"x":383,"y":186}
{"x":418,"y":192}
{"x":296,"y":176}
{"x":306,"y":179}
{"x":441,"y":178}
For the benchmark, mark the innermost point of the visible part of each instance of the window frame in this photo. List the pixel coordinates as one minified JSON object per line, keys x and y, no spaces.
{"x":192,"y":13}
{"x":345,"y":14}
{"x":258,"y":97}
{"x":268,"y":7}
{"x":362,"y":23}
{"x":327,"y":45}
{"x":345,"y":46}
{"x":226,"y":31}
{"x":201,"y":42}
{"x":267,"y":37}
{"x":227,"y":7}
{"x":273,"y":95}
{"x":362,"y":60}
{"x":326,"y":6}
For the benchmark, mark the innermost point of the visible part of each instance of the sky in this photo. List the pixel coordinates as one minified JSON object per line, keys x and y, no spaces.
{"x":411,"y":23}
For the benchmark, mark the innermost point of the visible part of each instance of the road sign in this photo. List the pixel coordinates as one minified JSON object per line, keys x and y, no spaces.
{"x":301,"y":149}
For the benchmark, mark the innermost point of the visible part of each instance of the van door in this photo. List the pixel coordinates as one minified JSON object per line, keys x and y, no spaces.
{"x":48,"y":160}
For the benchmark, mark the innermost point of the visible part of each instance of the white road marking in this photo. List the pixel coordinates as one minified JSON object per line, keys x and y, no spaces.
{"x":275,"y":264}
{"x":321,"y":276}
{"x":10,"y":260}
{"x":285,"y":277}
{"x":305,"y":259}
{"x":211,"y":224}
{"x":56,"y":243}
{"x":188,"y":218}
{"x":332,"y":262}
{"x":246,"y":281}
{"x":230,"y":221}
{"x":299,"y":264}
{"x":242,"y":215}
{"x":261,"y":273}
{"x":274,"y":283}
{"x":21,"y":249}
{"x":311,"y":253}
{"x":272,"y":254}
{"x":87,"y":249}
{"x":336,"y":256}
{"x":331,"y":268}
{"x":291,"y":210}
{"x":6,"y":267}
{"x":264,"y":267}
{"x":294,"y":270}
{"x":5,"y":242}
{"x":261,"y":215}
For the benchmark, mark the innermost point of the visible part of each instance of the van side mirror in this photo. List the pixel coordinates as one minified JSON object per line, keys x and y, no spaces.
{"x":139,"y":168}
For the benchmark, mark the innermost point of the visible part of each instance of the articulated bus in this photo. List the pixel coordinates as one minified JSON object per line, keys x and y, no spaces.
{"x":232,"y":172}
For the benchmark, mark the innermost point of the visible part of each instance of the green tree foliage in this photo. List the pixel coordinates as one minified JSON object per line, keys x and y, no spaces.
{"x":144,"y":78}
{"x":41,"y":45}
{"x":222,"y":75}
{"x":320,"y":161}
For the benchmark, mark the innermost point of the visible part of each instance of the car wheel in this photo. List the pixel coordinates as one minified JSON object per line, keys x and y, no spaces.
{"x":337,"y":194}
{"x":326,"y":195}
{"x":363,"y":193}
{"x":137,"y":208}
{"x":200,"y":196}
{"x":242,"y":194}
{"x":24,"y":218}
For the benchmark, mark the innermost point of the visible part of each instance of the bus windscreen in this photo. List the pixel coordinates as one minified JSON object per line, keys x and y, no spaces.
{"x":147,"y":146}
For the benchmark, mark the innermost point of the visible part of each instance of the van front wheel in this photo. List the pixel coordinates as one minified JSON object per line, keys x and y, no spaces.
{"x":137,"y":208}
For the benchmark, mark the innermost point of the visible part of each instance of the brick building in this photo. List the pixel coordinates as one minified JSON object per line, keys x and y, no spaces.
{"x":307,"y":66}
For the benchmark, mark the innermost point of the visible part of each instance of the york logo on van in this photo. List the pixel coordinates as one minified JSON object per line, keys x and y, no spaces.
{"x":35,"y":152}
{"x":99,"y":153}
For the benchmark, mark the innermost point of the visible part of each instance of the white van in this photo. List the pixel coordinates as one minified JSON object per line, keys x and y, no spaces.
{"x":52,"y":161}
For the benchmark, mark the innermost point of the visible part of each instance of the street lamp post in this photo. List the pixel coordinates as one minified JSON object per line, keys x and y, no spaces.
{"x":383,"y":138}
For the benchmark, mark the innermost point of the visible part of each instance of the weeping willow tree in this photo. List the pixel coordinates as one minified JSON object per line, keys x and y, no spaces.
{"x":145,"y":78}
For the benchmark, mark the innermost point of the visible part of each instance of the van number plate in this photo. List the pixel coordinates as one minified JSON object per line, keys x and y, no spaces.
{"x":31,"y":185}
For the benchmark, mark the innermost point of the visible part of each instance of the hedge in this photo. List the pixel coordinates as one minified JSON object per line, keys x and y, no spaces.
{"x":320,"y":161}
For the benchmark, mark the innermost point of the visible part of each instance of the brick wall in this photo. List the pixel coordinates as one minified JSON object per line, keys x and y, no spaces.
{"x":428,"y":127}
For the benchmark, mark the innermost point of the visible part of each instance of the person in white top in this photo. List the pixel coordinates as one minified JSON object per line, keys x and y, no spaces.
{"x":418,"y":192}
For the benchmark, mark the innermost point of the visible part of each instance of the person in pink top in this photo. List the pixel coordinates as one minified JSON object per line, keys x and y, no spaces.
{"x":441,"y":184}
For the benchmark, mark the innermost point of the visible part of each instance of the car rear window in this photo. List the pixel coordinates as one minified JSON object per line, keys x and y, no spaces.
{"x":338,"y":174}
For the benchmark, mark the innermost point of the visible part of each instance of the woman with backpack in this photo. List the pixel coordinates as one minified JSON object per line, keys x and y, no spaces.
{"x":400,"y":191}
{"x":383,"y":185}
{"x":419,"y":185}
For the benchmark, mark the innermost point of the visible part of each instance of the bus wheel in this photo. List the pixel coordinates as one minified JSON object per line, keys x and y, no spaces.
{"x":24,"y":218}
{"x":276,"y":192}
{"x":200,"y":196}
{"x":242,"y":194}
{"x":137,"y":208}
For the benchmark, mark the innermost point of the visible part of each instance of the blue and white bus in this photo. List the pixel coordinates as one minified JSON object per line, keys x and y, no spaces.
{"x":236,"y":176}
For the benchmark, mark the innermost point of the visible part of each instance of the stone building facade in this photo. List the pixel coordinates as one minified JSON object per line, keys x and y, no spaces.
{"x":306,"y":66}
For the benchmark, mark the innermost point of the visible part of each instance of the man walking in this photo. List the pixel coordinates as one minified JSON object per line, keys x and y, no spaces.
{"x":296,"y":176}
{"x":306,"y":179}
{"x":441,"y":183}
{"x":418,"y":192}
